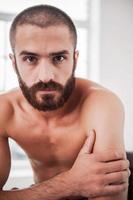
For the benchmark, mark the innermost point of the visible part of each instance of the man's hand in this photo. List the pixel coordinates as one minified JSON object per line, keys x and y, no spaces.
{"x":99,"y":174}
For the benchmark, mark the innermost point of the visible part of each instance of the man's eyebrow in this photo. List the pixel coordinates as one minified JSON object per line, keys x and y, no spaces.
{"x":59,"y":53}
{"x":28,"y":53}
{"x":50,"y":54}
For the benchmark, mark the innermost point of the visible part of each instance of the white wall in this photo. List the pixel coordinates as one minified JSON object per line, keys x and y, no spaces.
{"x":116,"y":55}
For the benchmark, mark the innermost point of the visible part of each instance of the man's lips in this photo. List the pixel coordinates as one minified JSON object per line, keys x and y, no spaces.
{"x":47,"y":90}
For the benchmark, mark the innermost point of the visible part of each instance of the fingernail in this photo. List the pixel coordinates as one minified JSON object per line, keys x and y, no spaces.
{"x":90,"y":132}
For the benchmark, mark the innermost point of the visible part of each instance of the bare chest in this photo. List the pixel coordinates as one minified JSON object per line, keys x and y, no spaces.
{"x":54,"y":149}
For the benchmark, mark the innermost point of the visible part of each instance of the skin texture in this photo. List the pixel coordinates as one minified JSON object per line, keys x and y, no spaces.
{"x":58,"y":136}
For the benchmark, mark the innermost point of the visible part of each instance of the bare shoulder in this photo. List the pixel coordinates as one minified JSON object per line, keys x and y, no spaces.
{"x":97,"y":97}
{"x":103,"y":111}
{"x":7,"y":102}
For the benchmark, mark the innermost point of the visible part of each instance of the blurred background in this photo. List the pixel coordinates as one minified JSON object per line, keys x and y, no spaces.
{"x":105,"y":43}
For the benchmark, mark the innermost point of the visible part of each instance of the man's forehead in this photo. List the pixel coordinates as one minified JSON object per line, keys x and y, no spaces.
{"x":34,"y":39}
{"x":32,"y":29}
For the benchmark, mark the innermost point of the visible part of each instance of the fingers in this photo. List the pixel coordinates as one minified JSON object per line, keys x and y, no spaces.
{"x":89,"y":143}
{"x":115,"y":189}
{"x":116,"y":166}
{"x":117,"y":177}
{"x":110,"y":155}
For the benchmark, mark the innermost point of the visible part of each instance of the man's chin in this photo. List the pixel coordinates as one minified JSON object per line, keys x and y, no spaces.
{"x":46,"y":108}
{"x":47,"y":105}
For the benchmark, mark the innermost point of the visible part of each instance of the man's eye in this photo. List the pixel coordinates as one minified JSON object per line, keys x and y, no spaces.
{"x":58,"y":59}
{"x":30,"y":59}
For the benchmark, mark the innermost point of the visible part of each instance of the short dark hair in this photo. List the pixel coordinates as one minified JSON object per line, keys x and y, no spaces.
{"x":42,"y":16}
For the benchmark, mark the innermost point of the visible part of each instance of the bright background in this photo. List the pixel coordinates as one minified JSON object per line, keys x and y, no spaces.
{"x":105,"y":42}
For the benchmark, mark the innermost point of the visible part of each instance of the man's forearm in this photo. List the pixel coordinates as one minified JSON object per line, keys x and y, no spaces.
{"x":53,"y":189}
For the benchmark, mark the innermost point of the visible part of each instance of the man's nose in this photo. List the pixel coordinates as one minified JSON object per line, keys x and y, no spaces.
{"x":45,"y":73}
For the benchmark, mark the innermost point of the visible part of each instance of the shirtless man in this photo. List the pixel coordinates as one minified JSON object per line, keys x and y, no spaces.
{"x":70,"y":128}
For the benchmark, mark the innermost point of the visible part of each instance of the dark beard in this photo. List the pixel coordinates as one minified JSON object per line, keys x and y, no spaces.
{"x":48,"y":102}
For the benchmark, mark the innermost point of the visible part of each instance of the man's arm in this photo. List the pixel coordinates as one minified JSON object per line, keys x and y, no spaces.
{"x":106,"y":116}
{"x":76,"y":182}
{"x":5,"y":161}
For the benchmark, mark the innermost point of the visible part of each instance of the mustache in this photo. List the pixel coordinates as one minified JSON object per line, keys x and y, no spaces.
{"x":51,"y":85}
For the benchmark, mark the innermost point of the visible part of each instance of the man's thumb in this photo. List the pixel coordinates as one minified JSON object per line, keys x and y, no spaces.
{"x":89,"y":143}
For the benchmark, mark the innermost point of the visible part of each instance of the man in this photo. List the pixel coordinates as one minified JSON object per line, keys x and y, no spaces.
{"x":70,"y":128}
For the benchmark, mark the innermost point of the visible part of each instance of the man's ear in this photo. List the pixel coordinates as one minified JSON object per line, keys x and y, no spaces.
{"x":12,"y":57}
{"x":76,"y":55}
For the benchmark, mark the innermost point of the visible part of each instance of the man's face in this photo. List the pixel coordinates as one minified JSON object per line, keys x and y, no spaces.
{"x":47,"y":96}
{"x":45,"y":62}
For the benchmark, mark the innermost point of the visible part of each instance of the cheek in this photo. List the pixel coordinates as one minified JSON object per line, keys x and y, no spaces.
{"x":63,"y":76}
{"x":67,"y":69}
{"x":28,"y":76}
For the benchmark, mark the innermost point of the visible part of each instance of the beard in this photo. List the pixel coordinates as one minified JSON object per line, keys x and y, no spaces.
{"x":48,"y":101}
